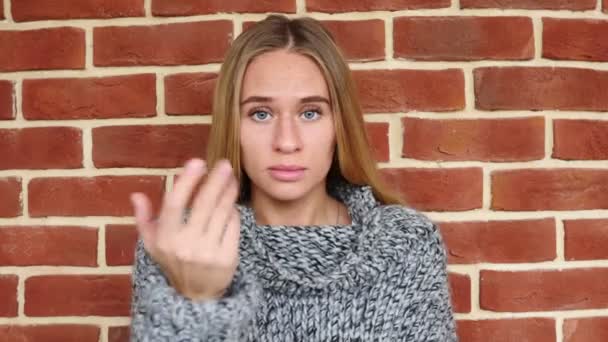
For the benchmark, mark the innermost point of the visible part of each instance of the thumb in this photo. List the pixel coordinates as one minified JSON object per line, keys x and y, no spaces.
{"x":146,"y":226}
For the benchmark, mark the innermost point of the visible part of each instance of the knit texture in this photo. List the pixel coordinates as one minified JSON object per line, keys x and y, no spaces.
{"x":381,"y":278}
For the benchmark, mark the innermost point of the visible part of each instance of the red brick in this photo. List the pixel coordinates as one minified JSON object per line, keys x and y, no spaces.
{"x":8,"y":296}
{"x":575,"y":39}
{"x":148,"y":146}
{"x":2,"y":10}
{"x":540,"y":88}
{"x":605,"y":6}
{"x":580,"y":139}
{"x":463,"y":38}
{"x":166,"y":44}
{"x":500,"y":241}
{"x":119,"y":334}
{"x":129,"y":96}
{"x":10,"y":201}
{"x":189,"y":93}
{"x":7,"y":105}
{"x":507,"y":330}
{"x":460,"y":292}
{"x":498,"y":140}
{"x":377,"y":133}
{"x":78,"y":295}
{"x":550,"y":189}
{"x":586,"y":239}
{"x":575,"y":5}
{"x":369,"y":44}
{"x":372,"y":5}
{"x":39,"y":49}
{"x":543,"y":290}
{"x":407,"y":90}
{"x":90,"y":196}
{"x":28,"y":10}
{"x":434,"y":189}
{"x":50,"y":333}
{"x":585,"y":329}
{"x":41,"y":148}
{"x":54,"y":246}
{"x":193,"y":7}
{"x":120,"y":244}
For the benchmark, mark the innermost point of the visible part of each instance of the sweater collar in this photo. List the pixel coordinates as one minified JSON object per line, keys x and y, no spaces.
{"x":360,"y":201}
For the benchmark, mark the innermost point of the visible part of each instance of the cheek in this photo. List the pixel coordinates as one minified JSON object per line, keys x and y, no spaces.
{"x":252,"y":136}
{"x":324,"y":139}
{"x":245,"y":142}
{"x":252,"y":143}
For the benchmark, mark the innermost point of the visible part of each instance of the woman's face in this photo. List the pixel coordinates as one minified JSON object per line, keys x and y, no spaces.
{"x":287,"y":127}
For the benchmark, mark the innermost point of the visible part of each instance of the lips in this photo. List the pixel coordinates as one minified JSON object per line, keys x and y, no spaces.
{"x":287,"y":168}
{"x":287,"y":173}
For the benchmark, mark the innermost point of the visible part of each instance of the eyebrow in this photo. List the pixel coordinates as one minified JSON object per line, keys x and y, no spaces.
{"x":306,"y":99}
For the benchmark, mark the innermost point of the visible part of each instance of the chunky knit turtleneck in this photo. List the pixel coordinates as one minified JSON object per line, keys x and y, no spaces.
{"x":381,"y":278}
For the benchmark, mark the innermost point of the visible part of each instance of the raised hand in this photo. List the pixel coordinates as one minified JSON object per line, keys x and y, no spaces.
{"x":199,"y":257}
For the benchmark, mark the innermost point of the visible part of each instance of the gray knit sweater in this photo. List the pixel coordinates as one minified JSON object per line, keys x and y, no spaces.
{"x":381,"y":278}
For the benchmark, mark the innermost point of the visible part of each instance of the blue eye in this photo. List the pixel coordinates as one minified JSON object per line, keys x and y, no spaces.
{"x":311,"y":114}
{"x":260,"y":115}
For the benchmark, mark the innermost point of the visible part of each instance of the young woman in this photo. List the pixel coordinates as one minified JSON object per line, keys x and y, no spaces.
{"x":292,"y":236}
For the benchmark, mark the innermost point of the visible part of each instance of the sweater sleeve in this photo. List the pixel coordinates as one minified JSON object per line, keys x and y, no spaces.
{"x":160,"y":313}
{"x":429,"y":314}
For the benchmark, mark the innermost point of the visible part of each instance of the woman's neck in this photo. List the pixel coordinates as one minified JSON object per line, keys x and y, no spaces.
{"x":316,"y":208}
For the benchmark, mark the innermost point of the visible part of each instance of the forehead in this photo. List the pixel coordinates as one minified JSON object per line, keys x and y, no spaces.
{"x":283,"y":73}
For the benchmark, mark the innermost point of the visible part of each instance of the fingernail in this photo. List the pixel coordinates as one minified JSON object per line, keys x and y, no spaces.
{"x":194,"y":164}
{"x":224,"y":166}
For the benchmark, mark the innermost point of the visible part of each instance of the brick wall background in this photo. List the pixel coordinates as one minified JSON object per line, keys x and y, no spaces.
{"x":489,"y":115}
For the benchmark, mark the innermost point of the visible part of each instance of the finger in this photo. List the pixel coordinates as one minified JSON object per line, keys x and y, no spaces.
{"x":232,"y":234}
{"x":146,"y":227}
{"x":207,"y":198}
{"x":223,"y":211}
{"x":175,"y":202}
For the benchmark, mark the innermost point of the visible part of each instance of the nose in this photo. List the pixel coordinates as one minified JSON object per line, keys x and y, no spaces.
{"x":286,"y":135}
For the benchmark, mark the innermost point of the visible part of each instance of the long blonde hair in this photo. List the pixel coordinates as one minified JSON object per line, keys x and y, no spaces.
{"x":353,"y":158}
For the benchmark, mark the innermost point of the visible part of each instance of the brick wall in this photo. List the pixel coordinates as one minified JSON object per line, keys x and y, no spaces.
{"x":490,"y":116}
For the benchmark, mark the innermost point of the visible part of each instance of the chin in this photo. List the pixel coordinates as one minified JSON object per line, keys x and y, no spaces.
{"x":287,"y":191}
